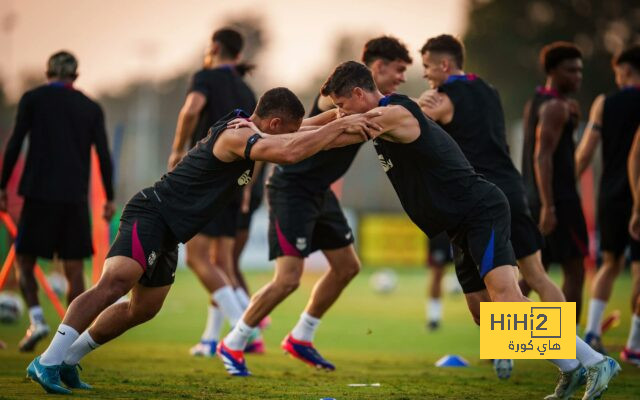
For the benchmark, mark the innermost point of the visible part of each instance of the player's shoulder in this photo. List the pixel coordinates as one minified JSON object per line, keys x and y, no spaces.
{"x":555,"y":107}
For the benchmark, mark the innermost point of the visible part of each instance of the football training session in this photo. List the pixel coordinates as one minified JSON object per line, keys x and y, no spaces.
{"x":320,"y":200}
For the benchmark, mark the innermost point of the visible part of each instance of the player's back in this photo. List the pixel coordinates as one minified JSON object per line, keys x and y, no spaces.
{"x":478,"y":128}
{"x":434,"y":181}
{"x":201,"y":185}
{"x":63,"y":124}
{"x":564,"y":184}
{"x":225,"y":90}
{"x":620,"y":120}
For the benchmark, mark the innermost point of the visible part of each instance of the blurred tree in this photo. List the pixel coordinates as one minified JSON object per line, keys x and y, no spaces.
{"x":504,"y":37}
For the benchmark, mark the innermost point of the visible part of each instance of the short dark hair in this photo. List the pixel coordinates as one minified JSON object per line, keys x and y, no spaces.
{"x":445,"y":44}
{"x":346,"y":76}
{"x":630,"y":55}
{"x":386,"y":48}
{"x":231,"y":42}
{"x":62,"y":65}
{"x":280,"y":102}
{"x":553,"y":54}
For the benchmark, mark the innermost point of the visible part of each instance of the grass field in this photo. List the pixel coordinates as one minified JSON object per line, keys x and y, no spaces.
{"x":371,"y":338}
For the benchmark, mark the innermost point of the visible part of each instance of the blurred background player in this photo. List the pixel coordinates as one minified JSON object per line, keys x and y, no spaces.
{"x":305,"y":215}
{"x":632,"y":349}
{"x":62,"y":124}
{"x":470,"y":110}
{"x":548,"y":167}
{"x":217,"y":89}
{"x":439,"y":256}
{"x":613,"y":121}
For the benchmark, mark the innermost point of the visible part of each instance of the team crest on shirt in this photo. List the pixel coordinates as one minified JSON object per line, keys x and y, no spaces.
{"x":301,"y":243}
{"x":152,"y":258}
{"x":245,"y":178}
{"x":386,"y":164}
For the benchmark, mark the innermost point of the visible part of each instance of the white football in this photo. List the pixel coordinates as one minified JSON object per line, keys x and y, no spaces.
{"x":11,"y":307}
{"x":58,"y":283}
{"x":384,"y":280}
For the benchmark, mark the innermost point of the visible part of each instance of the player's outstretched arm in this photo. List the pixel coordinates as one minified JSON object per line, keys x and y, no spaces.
{"x":634,"y":180}
{"x":290,"y":148}
{"x":12,"y":152}
{"x":553,"y":116}
{"x":187,"y":121}
{"x":591,"y":137}
{"x":396,"y":124}
{"x":322,"y":118}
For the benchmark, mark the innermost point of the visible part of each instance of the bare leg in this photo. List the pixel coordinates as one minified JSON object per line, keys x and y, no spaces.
{"x":118,"y":318}
{"x":221,"y":254}
{"x":536,"y":277}
{"x":602,"y":284}
{"x":241,"y":240}
{"x":27,"y":279}
{"x":73,"y":270}
{"x":473,"y":302}
{"x":197,"y":251}
{"x":120,"y":274}
{"x":435,"y":284}
{"x":573,"y":282}
{"x":635,"y":287}
{"x":502,"y":284}
{"x":343,"y":267}
{"x":286,"y":281}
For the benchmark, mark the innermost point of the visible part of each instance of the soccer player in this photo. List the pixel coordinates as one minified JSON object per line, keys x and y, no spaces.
{"x":144,"y":255}
{"x":613,"y":121}
{"x":440,"y":191}
{"x":215,"y":90}
{"x":469,"y":109}
{"x":439,"y":255}
{"x":305,"y":216}
{"x":632,"y":349}
{"x":62,"y":124}
{"x":548,"y":166}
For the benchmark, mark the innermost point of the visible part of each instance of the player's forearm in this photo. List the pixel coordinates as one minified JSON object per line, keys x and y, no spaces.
{"x":586,"y":150}
{"x":544,"y":172}
{"x":106,"y":165}
{"x":344,"y":139}
{"x":320,"y":119}
{"x":186,"y":125}
{"x":11,"y":156}
{"x":304,"y":144}
{"x":633,"y":166}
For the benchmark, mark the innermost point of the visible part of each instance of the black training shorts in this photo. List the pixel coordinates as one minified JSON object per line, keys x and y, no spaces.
{"x":47,"y":228}
{"x":144,"y":236}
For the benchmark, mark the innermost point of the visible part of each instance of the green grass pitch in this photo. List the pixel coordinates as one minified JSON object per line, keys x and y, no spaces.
{"x":371,"y":338}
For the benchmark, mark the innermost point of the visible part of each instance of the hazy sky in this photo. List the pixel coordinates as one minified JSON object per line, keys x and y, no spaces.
{"x":118,"y":41}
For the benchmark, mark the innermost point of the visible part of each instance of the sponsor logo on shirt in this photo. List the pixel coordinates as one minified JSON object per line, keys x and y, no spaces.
{"x":244,"y":178}
{"x":152,"y":258}
{"x":301,"y":243}
{"x":386,"y":164}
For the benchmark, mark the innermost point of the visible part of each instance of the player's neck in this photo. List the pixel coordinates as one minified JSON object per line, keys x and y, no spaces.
{"x":456,"y":72}
{"x":60,"y":81}
{"x":220,"y":62}
{"x":632,"y":81}
{"x":552,"y":86}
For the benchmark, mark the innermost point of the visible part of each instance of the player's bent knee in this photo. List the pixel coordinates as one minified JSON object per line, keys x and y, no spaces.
{"x":349,"y":270}
{"x":286,"y":286}
{"x":145,"y":314}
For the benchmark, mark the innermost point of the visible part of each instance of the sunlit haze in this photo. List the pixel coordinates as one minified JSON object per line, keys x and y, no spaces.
{"x":119,"y":41}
